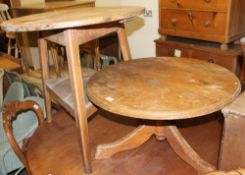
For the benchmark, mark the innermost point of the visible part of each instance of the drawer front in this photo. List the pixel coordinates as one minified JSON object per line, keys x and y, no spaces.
{"x":229,"y":62}
{"x":217,"y":5}
{"x":185,"y":23}
{"x":169,"y":49}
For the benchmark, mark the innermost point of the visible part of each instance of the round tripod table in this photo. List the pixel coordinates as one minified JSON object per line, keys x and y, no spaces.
{"x":158,"y":90}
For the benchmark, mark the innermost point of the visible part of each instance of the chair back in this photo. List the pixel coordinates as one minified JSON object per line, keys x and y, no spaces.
{"x":15,"y":92}
{"x":31,"y":88}
{"x":1,"y":86}
{"x":4,"y":14}
{"x":10,"y":112}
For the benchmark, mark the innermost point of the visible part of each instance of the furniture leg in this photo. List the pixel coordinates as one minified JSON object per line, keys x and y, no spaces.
{"x":43,"y":49}
{"x":24,"y":52}
{"x":133,"y":140}
{"x":55,"y":58}
{"x":16,"y":51}
{"x":159,"y":131}
{"x":184,"y":150}
{"x":9,"y":46}
{"x":123,"y":42}
{"x":75,"y":74}
{"x":97,"y":54}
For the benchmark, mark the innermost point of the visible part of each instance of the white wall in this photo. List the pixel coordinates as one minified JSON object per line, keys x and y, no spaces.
{"x":100,"y":3}
{"x":142,"y":31}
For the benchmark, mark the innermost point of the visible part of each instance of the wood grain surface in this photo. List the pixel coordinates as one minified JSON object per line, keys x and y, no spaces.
{"x":67,"y":18}
{"x":54,"y":148}
{"x":163,"y":88}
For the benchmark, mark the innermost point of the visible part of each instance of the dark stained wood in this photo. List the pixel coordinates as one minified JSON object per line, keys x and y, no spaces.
{"x":10,"y":111}
{"x":210,"y":52}
{"x":242,"y":42}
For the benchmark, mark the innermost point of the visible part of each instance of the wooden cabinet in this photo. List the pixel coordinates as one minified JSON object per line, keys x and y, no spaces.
{"x":230,"y":59}
{"x":220,"y":21}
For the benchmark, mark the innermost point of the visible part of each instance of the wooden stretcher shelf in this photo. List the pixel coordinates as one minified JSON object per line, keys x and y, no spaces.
{"x":60,"y":88}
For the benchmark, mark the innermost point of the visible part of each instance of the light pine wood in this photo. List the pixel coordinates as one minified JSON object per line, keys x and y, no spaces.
{"x":80,"y":17}
{"x":75,"y":72}
{"x":123,"y":42}
{"x":133,"y":140}
{"x":185,"y":151}
{"x":64,"y":94}
{"x":162,"y":89}
{"x":30,"y":40}
{"x":10,"y":63}
{"x":215,"y":20}
{"x":89,"y":24}
{"x":45,"y":75}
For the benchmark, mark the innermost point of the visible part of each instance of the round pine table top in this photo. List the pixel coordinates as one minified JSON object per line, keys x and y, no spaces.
{"x":163,"y":88}
{"x":70,"y":18}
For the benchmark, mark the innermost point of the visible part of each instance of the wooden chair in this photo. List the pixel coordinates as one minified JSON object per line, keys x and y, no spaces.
{"x":10,"y":112}
{"x":23,"y":128}
{"x":12,"y":45}
{"x":31,"y":88}
{"x":56,"y":139}
{"x":232,"y":153}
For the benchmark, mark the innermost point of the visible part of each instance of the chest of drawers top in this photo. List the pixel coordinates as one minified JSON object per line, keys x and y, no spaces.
{"x":199,"y":5}
{"x":220,"y":21}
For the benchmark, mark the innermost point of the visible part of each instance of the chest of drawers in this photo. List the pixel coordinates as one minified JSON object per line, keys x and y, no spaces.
{"x":230,"y":59}
{"x":219,"y":21}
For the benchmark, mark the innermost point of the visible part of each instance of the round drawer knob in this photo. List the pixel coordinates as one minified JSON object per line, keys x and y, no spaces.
{"x":210,"y":60}
{"x":171,"y":53}
{"x":207,"y":1}
{"x":174,"y":21}
{"x":207,"y":24}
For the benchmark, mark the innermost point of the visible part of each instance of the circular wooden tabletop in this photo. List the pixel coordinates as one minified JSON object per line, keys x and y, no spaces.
{"x":163,"y":88}
{"x":70,"y":18}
